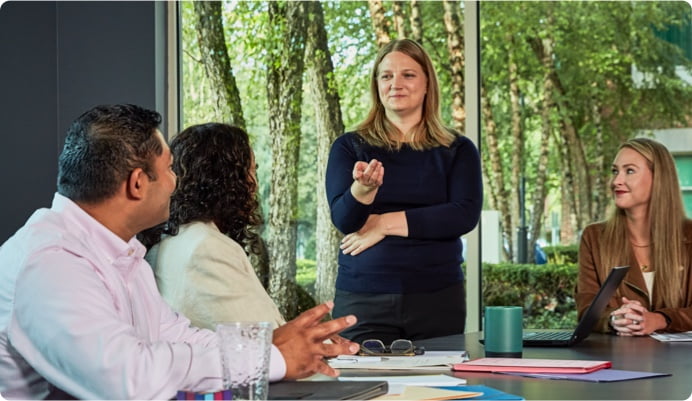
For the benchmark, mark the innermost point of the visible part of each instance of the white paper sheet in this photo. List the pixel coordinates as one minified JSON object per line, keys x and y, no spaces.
{"x":431,"y":360}
{"x":398,"y":383}
{"x":673,"y":337}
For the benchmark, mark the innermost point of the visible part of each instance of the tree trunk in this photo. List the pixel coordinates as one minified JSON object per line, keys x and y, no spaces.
{"x":416,"y":22}
{"x":379,"y":22}
{"x":329,"y":126}
{"x":399,"y":19}
{"x":540,"y":189}
{"x":601,"y":161}
{"x":497,"y":176}
{"x":286,"y":51}
{"x":217,"y":64}
{"x":569,"y":196}
{"x":517,"y":132}
{"x":455,"y":45}
{"x":218,"y":69}
{"x":581,"y":188}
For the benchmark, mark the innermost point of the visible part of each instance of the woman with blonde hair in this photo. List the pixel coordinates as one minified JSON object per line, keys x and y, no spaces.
{"x":399,"y":270}
{"x":648,"y":231}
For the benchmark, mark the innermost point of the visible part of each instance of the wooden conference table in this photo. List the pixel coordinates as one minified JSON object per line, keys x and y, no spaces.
{"x":626,"y":353}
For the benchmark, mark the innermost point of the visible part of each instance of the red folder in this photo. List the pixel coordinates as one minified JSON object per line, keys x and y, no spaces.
{"x":528,"y":365}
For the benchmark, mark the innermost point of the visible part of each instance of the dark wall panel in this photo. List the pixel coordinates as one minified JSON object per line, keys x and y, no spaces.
{"x":106,"y":55}
{"x":57,"y":59}
{"x":28,"y":116}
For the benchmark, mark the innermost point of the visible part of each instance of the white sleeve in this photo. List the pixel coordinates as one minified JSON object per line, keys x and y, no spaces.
{"x":78,"y":332}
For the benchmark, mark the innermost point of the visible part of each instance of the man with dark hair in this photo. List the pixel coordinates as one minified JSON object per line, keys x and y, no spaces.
{"x":80,"y":315}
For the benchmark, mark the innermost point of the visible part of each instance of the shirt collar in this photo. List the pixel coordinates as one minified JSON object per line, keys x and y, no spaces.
{"x":92,"y":232}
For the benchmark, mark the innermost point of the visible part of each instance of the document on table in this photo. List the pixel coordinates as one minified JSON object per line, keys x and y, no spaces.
{"x":429,"y":393}
{"x":398,"y":383}
{"x":530,"y":365}
{"x":673,"y":337}
{"x":603,"y":375}
{"x":431,"y":360}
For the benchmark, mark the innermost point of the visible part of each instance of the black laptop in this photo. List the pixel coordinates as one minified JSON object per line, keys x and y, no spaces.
{"x":327,"y":390}
{"x":566,"y":338}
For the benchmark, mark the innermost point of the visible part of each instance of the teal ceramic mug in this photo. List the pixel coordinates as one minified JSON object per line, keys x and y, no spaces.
{"x":502,"y":331}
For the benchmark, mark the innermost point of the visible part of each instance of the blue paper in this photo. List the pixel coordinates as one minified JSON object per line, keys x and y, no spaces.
{"x":603,"y":375}
{"x":489,"y":393}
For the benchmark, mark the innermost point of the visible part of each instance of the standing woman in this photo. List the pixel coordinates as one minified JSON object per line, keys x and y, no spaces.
{"x":649,"y":232}
{"x":399,"y":269}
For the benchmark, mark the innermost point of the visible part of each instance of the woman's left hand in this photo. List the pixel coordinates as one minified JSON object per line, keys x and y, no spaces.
{"x":633,"y":319}
{"x":370,"y":234}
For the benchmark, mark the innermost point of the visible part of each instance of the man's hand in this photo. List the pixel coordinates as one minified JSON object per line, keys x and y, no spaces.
{"x":302,"y":342}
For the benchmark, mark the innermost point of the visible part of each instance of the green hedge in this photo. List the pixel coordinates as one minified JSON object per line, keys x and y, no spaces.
{"x":546,"y":292}
{"x":562,"y":254}
{"x":306,"y":270}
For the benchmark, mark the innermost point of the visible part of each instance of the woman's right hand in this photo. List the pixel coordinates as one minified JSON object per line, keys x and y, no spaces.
{"x":367,"y":178}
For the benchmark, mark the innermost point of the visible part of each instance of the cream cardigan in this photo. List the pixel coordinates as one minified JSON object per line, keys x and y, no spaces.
{"x":207,"y":277}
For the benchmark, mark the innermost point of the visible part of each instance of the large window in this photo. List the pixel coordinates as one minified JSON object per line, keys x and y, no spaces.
{"x":564,"y":84}
{"x":561,"y":85}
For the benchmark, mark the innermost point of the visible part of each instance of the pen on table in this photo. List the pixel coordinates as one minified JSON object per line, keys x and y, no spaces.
{"x":354,"y":358}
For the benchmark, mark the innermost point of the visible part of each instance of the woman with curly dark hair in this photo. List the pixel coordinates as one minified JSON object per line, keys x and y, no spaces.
{"x":200,"y":264}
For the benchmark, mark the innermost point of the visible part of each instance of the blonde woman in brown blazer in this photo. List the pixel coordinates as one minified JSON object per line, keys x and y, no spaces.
{"x":648,"y":231}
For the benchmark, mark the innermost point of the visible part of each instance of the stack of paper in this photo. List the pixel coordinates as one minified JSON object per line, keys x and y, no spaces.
{"x":528,"y":365}
{"x":397,"y":384}
{"x":431,"y":360}
{"x":673,"y":337}
{"x":603,"y":375}
{"x":429,"y":393}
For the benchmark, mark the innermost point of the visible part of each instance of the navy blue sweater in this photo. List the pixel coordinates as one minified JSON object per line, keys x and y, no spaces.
{"x":441,"y":192}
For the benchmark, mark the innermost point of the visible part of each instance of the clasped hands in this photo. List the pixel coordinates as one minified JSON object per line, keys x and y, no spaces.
{"x":633,"y":319}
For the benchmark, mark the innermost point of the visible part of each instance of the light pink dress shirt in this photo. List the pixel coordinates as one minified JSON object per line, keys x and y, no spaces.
{"x":79,"y":309}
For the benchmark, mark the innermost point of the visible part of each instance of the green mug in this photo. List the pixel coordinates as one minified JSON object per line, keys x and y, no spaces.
{"x":503,"y":331}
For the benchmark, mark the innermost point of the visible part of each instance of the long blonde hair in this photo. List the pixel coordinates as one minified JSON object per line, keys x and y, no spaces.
{"x":666,"y":217}
{"x":376,"y":129}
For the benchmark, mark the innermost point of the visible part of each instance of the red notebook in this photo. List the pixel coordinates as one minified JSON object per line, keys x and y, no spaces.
{"x":528,"y":365}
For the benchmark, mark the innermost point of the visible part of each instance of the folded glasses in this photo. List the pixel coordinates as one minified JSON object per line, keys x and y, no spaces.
{"x":398,"y":347}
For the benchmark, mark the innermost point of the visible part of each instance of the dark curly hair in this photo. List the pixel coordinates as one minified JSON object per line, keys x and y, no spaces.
{"x":216,"y":183}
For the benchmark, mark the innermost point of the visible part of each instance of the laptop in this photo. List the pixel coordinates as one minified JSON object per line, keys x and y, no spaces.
{"x":327,"y":390}
{"x":565,"y":338}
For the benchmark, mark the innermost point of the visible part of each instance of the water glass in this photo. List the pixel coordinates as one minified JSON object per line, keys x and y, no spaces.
{"x":245,"y":350}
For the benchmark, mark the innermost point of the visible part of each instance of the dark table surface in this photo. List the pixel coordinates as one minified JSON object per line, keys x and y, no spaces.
{"x":626,"y":353}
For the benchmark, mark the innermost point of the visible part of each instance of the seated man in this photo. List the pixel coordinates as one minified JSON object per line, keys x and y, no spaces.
{"x":80,"y":314}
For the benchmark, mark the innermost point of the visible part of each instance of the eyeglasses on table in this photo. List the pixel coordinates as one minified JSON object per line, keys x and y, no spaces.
{"x":400,"y":347}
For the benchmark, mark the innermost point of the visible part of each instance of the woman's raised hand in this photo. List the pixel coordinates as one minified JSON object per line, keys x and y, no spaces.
{"x":367,"y":178}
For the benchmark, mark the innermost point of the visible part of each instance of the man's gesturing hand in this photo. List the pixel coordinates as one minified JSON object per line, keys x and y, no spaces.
{"x":302,"y":342}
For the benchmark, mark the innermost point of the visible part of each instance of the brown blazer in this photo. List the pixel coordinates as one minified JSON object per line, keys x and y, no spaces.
{"x":633,"y":286}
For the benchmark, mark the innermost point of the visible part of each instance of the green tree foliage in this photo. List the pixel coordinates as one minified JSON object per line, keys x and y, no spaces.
{"x":597,"y":101}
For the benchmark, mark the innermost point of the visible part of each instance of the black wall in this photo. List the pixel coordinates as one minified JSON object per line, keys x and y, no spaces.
{"x":58,"y":59}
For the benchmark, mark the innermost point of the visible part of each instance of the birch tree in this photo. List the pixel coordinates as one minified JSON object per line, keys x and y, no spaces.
{"x":285,"y":66}
{"x":217,"y":64}
{"x":329,"y":125}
